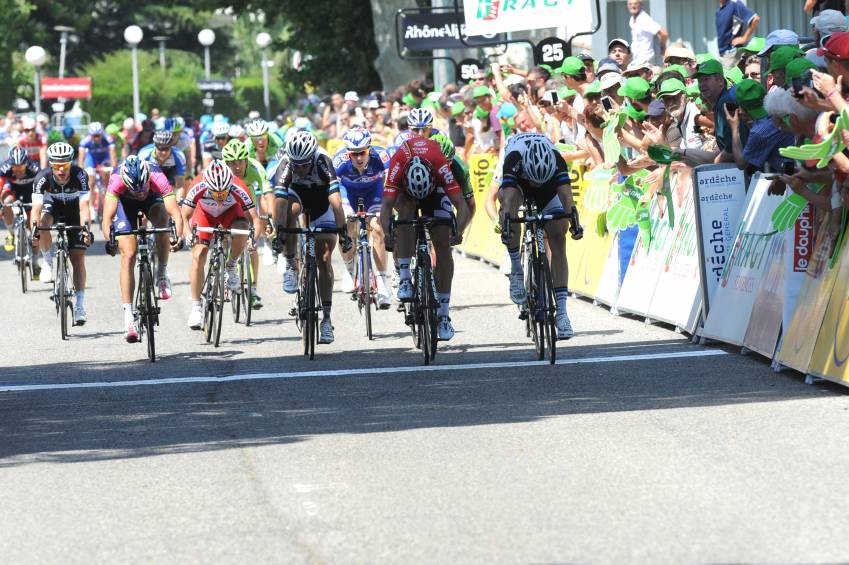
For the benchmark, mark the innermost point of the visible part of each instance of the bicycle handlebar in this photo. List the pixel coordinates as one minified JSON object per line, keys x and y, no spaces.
{"x":311,"y":230}
{"x":537,"y":218}
{"x":356,"y":217}
{"x":16,"y":204}
{"x":60,"y":227}
{"x":225,"y":231}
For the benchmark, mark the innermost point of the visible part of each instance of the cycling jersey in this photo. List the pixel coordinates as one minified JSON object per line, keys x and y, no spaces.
{"x":200,"y":197}
{"x":367,"y":185}
{"x":312,"y":190}
{"x":274,"y":145}
{"x":45,"y":187}
{"x":21,"y":188}
{"x":97,"y":151}
{"x":33,"y":146}
{"x":157,"y":185}
{"x":173,"y":167}
{"x":256,"y":180}
{"x":430,"y":152}
{"x":545,"y":195}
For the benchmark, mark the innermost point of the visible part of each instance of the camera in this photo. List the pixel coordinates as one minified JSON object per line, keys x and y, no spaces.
{"x":607,"y":103}
{"x":801,"y":82}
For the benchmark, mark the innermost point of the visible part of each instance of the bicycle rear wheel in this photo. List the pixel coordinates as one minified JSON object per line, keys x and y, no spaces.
{"x":218,"y":299}
{"x":535,"y":320}
{"x":248,"y":286}
{"x":236,"y":299}
{"x":365,"y":288}
{"x":147,"y":312}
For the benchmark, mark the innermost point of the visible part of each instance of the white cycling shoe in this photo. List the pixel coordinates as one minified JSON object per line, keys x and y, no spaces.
{"x":233,"y":282}
{"x":290,"y":281}
{"x":46,"y":271}
{"x":196,"y":319}
{"x":517,"y":288}
{"x":80,"y":316}
{"x":325,"y":332}
{"x":405,"y":290}
{"x":347,"y":282}
{"x":164,"y":286}
{"x":564,"y":326}
{"x":444,"y":330}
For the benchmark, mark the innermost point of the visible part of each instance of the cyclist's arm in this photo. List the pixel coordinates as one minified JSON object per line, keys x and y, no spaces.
{"x":113,"y":154}
{"x":42,"y":157}
{"x":81,"y":157}
{"x":110,"y":208}
{"x":85,"y":209}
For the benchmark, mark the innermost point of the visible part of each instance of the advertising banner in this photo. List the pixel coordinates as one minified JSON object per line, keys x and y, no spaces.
{"x":720,"y":201}
{"x":76,"y":87}
{"x":498,"y":16}
{"x":607,"y":291}
{"x":428,"y":31}
{"x":765,"y":322}
{"x":800,"y":249}
{"x":677,"y":295}
{"x":800,"y":335}
{"x":588,"y":256}
{"x":480,"y":239}
{"x":755,"y":246}
{"x":831,"y":354}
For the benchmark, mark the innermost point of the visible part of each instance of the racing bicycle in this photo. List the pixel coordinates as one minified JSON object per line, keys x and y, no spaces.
{"x":63,"y":288}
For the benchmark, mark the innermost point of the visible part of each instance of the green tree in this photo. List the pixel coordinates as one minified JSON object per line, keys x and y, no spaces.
{"x":13,"y":25}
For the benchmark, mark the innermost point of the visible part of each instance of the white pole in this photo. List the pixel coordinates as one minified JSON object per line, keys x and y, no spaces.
{"x":206,"y":60}
{"x":37,"y":91}
{"x":63,"y":41}
{"x":136,"y":104}
{"x":266,"y":98}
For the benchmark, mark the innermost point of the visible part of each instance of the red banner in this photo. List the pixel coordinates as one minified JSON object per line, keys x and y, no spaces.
{"x":77,"y":87}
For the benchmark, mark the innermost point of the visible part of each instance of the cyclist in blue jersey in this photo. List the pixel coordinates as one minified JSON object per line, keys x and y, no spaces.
{"x":168,"y":158}
{"x":361,"y":167}
{"x":97,"y":154}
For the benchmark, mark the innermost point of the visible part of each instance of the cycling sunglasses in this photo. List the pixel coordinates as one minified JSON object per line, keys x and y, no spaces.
{"x":358,"y":153}
{"x":60,"y":166}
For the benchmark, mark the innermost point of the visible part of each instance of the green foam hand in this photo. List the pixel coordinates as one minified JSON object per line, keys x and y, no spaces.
{"x":642,"y":216}
{"x":565,"y":147}
{"x":787,"y":213}
{"x":622,"y":214}
{"x":596,"y":197}
{"x":831,"y":145}
{"x":610,"y":140}
{"x":667,"y":193}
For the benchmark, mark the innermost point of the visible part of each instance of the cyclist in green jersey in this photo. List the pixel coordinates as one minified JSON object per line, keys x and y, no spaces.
{"x":261,"y":145}
{"x":458,"y":168}
{"x":252,"y":173}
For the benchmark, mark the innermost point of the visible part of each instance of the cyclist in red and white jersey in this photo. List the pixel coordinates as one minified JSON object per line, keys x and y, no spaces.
{"x":419,"y":178}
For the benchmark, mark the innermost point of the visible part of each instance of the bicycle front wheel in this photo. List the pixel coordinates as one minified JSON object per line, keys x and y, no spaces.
{"x":420,"y":308}
{"x":23,"y":255}
{"x":536,"y":326}
{"x":550,"y":310}
{"x":208,"y":307}
{"x":310,"y":315}
{"x":366,"y":288}
{"x":248,"y":286}
{"x":218,"y":299}
{"x":147,"y":312}
{"x":62,"y":292}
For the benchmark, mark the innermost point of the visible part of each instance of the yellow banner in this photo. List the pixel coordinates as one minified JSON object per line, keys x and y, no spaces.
{"x":588,"y":256}
{"x":333,"y":146}
{"x":831,"y":354}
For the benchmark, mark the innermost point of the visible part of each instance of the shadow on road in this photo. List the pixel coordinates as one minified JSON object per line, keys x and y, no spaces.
{"x":67,"y":426}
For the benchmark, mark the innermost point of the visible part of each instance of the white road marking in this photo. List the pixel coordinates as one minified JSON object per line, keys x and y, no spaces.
{"x":364,"y":371}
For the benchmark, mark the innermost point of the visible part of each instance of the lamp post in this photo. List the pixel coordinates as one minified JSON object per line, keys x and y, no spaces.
{"x":206,"y":37}
{"x":133,"y":35}
{"x":263,"y":40}
{"x":36,"y":56}
{"x":161,"y":39}
{"x":63,"y":43}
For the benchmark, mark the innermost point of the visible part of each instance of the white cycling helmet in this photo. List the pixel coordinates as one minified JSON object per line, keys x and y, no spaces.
{"x":420,"y":118}
{"x":220,"y":129}
{"x":163,"y":137}
{"x":257,"y":128}
{"x":236,"y":131}
{"x":27,"y":123}
{"x":419,"y":178}
{"x":357,"y":139}
{"x":538,"y":164}
{"x":129,"y":123}
{"x":301,"y":147}
{"x":218,"y":176}
{"x":60,"y":152}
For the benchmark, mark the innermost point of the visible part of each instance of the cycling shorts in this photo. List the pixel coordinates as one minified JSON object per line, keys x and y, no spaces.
{"x":225,"y":220}
{"x":545,"y":197}
{"x":22,"y":193}
{"x":372,"y":197}
{"x":66,"y":212}
{"x":126,"y":218}
{"x":92,"y":162}
{"x":316,"y":204}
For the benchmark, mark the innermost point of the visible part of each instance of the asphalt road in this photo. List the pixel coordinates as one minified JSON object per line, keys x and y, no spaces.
{"x":639,"y":448}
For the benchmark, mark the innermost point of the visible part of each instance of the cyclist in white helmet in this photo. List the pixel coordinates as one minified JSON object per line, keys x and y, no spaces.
{"x":306,"y":183}
{"x":534,"y":170}
{"x":220,"y":131}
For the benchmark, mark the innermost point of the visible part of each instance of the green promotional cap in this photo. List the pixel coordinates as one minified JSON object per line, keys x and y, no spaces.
{"x":457,"y":108}
{"x":671,"y":86}
{"x":571,"y":66}
{"x":797,"y":68}
{"x":635,"y":88}
{"x":750,"y":96}
{"x":709,"y":67}
{"x":565,"y":92}
{"x":781,"y":56}
{"x":755,"y":45}
{"x":593,"y":88}
{"x":481,"y":91}
{"x":734,"y":75}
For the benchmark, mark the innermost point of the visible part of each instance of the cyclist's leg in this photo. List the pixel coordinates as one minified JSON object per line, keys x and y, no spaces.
{"x":77,"y":256}
{"x":154,"y":210}
{"x":404,"y":243}
{"x":199,"y":253}
{"x":511,"y":198}
{"x":348,"y":258}
{"x":127,"y":245}
{"x":325,"y":244}
{"x":8,"y":196}
{"x":556,"y":231}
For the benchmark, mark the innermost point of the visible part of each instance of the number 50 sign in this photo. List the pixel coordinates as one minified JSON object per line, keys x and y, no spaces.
{"x":550,"y":51}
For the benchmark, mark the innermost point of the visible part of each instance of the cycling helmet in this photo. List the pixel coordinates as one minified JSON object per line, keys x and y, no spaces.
{"x":220,"y":129}
{"x":420,"y":118}
{"x":162,"y":137}
{"x":179,"y":124}
{"x":235,"y":150}
{"x":357,"y":139}
{"x":18,"y":156}
{"x":257,"y":128}
{"x":236,"y":131}
{"x":301,"y":147}
{"x":135,"y":173}
{"x":538,"y":164}
{"x":111,"y":129}
{"x":68,"y":132}
{"x":419,"y":178}
{"x":218,"y":176}
{"x":168,"y":124}
{"x":27,"y":123}
{"x":60,"y":152}
{"x":95,"y":128}
{"x":445,"y":144}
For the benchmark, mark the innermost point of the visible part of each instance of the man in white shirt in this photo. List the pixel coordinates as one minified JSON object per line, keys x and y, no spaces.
{"x":643,"y":31}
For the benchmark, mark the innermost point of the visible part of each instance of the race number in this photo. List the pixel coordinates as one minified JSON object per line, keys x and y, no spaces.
{"x":550,"y":51}
{"x":468,"y":68}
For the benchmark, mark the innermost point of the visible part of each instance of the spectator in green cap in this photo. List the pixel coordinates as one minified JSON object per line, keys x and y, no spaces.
{"x":755,"y":45}
{"x":574,"y":72}
{"x":778,"y":60}
{"x":672,"y":94}
{"x":714,"y":93}
{"x":485,"y":124}
{"x":638,"y":91}
{"x":764,"y":138}
{"x":798,"y":69}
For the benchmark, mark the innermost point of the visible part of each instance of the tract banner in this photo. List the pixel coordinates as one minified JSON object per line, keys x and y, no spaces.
{"x":755,"y":246}
{"x":800,"y":335}
{"x":720,"y":201}
{"x":427,"y":31}
{"x":74,"y":87}
{"x":677,"y":295}
{"x":497,"y":16}
{"x":831,"y":354}
{"x":588,"y":256}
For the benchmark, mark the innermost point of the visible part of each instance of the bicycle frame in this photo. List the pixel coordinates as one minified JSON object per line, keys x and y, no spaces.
{"x":62,"y":287}
{"x":365,"y":289}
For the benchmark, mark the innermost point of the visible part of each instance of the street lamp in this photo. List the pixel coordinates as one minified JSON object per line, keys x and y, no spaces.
{"x":161,"y":39}
{"x":206,"y":37}
{"x":63,"y":43}
{"x":133,"y":35}
{"x":36,"y":56}
{"x":264,"y":40}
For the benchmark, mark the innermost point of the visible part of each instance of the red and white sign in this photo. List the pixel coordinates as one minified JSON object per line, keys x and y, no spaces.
{"x":76,"y":87}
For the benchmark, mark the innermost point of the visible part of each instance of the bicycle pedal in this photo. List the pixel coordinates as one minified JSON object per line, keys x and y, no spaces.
{"x":523,"y":315}
{"x":293,"y":312}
